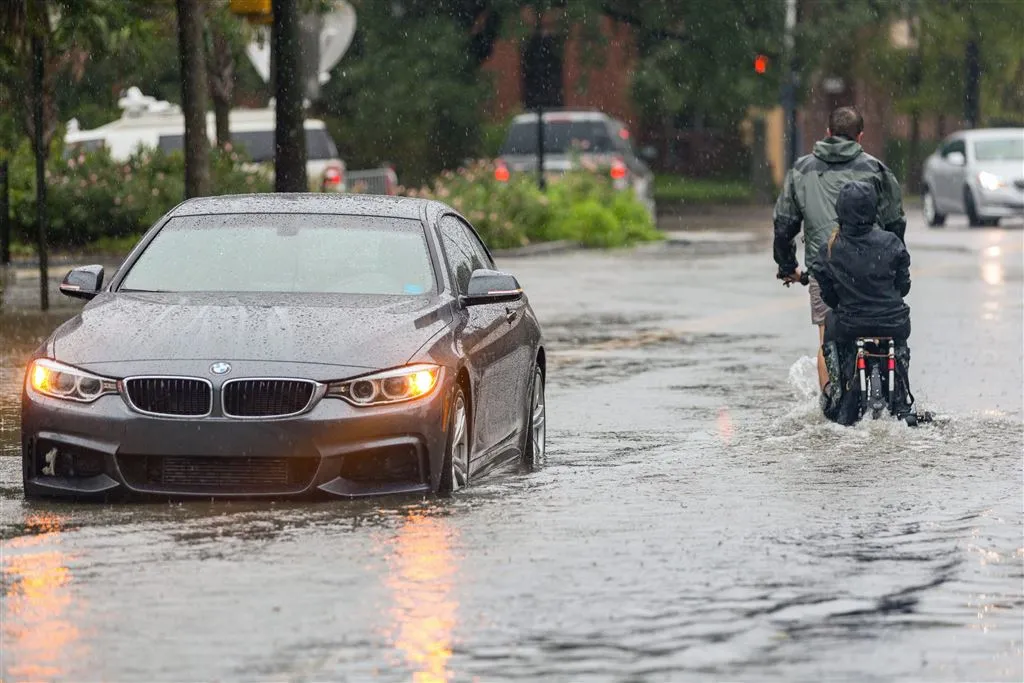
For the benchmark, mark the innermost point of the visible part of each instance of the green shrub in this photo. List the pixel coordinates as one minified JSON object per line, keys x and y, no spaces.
{"x":578,"y":206}
{"x":91,"y":197}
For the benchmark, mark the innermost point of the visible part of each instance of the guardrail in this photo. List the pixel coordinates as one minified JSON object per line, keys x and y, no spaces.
{"x":372,"y":181}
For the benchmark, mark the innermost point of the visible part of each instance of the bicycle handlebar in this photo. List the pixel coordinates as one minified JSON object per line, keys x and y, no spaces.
{"x":804,"y":279}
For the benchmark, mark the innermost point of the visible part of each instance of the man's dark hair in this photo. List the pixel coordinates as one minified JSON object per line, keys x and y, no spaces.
{"x":846,"y":122}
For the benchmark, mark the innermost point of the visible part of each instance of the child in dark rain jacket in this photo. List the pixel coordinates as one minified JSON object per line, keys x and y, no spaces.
{"x":864,"y":273}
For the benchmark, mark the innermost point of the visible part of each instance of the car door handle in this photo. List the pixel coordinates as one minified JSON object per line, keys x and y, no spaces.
{"x":510,"y":315}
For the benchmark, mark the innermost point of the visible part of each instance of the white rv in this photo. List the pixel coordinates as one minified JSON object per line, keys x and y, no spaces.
{"x":148,"y":122}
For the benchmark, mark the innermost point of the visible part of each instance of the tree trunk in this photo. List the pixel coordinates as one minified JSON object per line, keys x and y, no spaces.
{"x":289,"y":136}
{"x":41,"y":152}
{"x":193,"y":97}
{"x":221,"y":72}
{"x":972,"y":82}
{"x":972,"y":77}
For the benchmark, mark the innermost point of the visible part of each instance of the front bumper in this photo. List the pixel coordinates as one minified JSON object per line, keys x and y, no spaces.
{"x":1004,"y":202}
{"x":105,"y":449}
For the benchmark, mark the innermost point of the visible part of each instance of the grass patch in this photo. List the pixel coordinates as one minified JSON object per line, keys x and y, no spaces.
{"x":682,"y":190}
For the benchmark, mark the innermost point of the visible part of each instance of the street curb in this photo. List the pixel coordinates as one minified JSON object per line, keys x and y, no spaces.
{"x":541,"y":248}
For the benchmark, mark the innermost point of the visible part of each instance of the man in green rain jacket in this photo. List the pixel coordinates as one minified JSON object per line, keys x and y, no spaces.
{"x":809,"y":196}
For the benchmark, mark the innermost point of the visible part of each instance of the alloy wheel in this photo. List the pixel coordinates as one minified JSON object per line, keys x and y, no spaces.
{"x":538,"y":419}
{"x":460,"y":445}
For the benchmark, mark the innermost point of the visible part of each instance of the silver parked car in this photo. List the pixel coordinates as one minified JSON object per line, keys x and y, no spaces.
{"x":979,"y":173}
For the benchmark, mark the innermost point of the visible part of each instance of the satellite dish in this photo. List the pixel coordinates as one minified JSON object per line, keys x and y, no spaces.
{"x":337,"y":27}
{"x":258,"y":52}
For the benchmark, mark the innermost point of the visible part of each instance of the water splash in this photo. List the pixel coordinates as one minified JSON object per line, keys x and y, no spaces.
{"x":803,"y":377}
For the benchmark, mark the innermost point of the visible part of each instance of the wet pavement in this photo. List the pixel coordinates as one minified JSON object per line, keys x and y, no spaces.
{"x":696,"y":517}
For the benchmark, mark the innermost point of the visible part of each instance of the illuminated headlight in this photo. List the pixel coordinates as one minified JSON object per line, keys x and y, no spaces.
{"x":50,"y":378}
{"x":390,"y":386}
{"x":990,"y":181}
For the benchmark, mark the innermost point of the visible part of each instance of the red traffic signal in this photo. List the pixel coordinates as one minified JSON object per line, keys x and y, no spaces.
{"x":760,"y":64}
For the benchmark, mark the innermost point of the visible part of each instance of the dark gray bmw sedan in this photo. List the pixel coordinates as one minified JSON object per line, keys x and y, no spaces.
{"x":288,"y":345}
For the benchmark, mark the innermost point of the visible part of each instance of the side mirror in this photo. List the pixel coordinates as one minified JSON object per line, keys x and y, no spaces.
{"x":648,"y":153}
{"x":491,"y":287}
{"x":956,"y":158}
{"x":83,"y":283}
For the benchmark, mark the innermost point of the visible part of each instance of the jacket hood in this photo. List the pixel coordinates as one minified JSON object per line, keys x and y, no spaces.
{"x":835,"y":150}
{"x":857,"y":207}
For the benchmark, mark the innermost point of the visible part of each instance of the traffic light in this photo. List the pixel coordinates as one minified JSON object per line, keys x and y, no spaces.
{"x":760,"y":64}
{"x":257,"y":11}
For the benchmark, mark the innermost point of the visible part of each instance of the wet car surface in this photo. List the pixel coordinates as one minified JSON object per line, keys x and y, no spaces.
{"x":333,"y":346}
{"x":696,"y":517}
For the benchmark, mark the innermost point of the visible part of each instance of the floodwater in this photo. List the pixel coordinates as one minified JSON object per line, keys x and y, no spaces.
{"x":696,"y":517}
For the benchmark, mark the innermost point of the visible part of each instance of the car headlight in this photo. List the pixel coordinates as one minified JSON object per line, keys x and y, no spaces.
{"x":390,"y":386}
{"x":990,"y":181}
{"x":57,"y":380}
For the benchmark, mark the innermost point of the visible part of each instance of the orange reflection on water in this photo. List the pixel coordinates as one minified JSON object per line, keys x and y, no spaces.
{"x":38,"y":635}
{"x":725,"y":428}
{"x":422,"y":580}
{"x":992,"y":272}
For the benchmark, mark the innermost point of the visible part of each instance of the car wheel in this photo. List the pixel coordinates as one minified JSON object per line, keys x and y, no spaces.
{"x":536,"y":434}
{"x":455,"y":472}
{"x":931,"y":212}
{"x":973,"y":219}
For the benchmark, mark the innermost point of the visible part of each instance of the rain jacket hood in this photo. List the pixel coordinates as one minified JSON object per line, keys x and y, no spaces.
{"x":836,"y":150}
{"x":808,"y":198}
{"x":856,"y":208}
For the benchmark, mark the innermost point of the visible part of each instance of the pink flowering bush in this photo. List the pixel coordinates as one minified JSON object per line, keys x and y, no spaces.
{"x":91,"y":197}
{"x":578,"y":206}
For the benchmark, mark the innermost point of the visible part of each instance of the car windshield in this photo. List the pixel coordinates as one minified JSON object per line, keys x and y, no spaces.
{"x":259,"y":144}
{"x":559,"y":137}
{"x":1000,"y":149}
{"x":306,"y":253}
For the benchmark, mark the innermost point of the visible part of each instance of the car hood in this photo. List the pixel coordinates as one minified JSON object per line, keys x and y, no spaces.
{"x":1008,"y":170}
{"x":125,"y":333}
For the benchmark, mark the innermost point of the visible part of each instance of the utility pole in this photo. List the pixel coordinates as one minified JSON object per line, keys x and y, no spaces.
{"x":789,"y":87}
{"x":289,"y":136}
{"x":538,"y":31}
{"x":540,"y":148}
{"x":38,"y":65}
{"x":5,"y":216}
{"x":192,"y":62}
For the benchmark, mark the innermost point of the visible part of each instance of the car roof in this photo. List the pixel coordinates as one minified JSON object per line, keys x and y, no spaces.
{"x":987,"y":133}
{"x":312,"y":202}
{"x":565,"y":115}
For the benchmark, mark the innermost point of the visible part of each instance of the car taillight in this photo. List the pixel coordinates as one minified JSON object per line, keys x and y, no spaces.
{"x":333,"y":177}
{"x":501,"y":173}
{"x":618,"y":170}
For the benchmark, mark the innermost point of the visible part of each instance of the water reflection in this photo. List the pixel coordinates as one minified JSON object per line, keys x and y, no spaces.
{"x":725,"y":428}
{"x":421,"y":580}
{"x":992,"y":273}
{"x":39,"y":635}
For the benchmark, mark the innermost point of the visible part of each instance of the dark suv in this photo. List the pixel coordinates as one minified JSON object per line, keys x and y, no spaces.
{"x":574,"y":140}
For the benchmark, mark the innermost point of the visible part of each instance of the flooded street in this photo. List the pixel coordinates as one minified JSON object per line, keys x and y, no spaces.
{"x":697,"y":518}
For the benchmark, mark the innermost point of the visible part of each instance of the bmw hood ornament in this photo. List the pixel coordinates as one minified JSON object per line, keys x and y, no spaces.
{"x":220,"y":368}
